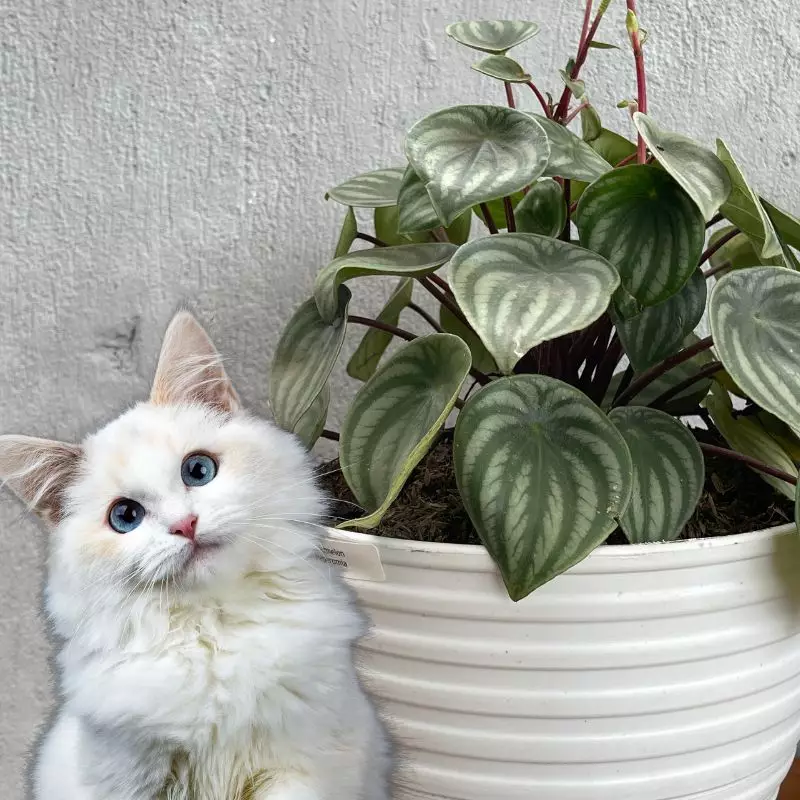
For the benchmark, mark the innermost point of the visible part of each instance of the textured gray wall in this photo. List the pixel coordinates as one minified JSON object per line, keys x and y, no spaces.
{"x":154,"y":152}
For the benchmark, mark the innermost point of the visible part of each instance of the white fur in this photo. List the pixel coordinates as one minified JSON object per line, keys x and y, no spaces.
{"x":224,"y":677}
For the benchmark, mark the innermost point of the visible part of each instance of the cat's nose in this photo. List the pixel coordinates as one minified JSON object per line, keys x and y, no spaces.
{"x":185,"y":527}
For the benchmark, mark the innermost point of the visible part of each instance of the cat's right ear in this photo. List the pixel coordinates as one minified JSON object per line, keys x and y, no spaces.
{"x":39,"y":471}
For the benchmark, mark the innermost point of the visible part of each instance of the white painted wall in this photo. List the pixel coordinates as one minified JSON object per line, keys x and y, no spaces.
{"x":154,"y":152}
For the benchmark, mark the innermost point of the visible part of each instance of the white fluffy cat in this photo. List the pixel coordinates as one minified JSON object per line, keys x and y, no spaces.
{"x":207,"y":655}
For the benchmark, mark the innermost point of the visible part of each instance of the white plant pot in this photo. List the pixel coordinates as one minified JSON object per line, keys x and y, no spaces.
{"x":647,"y":672}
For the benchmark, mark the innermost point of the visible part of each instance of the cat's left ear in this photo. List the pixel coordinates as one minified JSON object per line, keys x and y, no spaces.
{"x":190,"y":369}
{"x":39,"y":471}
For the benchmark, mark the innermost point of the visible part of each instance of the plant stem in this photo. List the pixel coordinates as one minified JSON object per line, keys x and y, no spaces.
{"x":426,"y":316}
{"x":566,"y":230}
{"x":705,"y":372}
{"x":723,"y":240}
{"x":626,"y":160}
{"x":440,"y":282}
{"x":574,"y":113}
{"x":723,"y":452}
{"x":367,"y":238}
{"x":647,"y":377}
{"x":605,"y":370}
{"x":487,"y":218}
{"x":641,"y":79}
{"x":714,"y":220}
{"x":709,"y":273}
{"x":542,"y":102}
{"x":510,"y":95}
{"x":624,"y":383}
{"x":511,"y":222}
{"x":587,"y":15}
{"x":332,"y":435}
{"x":446,"y":301}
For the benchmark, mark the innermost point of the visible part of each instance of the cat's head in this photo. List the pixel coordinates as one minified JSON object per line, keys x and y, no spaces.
{"x":185,"y":488}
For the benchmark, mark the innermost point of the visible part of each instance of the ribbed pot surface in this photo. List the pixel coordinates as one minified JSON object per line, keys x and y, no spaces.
{"x":648,"y":672}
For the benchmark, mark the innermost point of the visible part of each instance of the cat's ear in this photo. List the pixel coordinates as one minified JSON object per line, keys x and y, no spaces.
{"x":190,"y":369}
{"x":39,"y":472}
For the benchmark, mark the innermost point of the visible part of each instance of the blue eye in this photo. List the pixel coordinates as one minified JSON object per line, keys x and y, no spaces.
{"x":198,"y":469}
{"x":125,"y":515}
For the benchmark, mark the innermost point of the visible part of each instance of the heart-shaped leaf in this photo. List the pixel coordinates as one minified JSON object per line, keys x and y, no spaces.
{"x":364,"y":361}
{"x":310,"y":426}
{"x":696,"y":168}
{"x":370,"y":189}
{"x":659,"y":331}
{"x":570,"y":156}
{"x":492,"y":36}
{"x":481,"y":358}
{"x":395,"y":417}
{"x":744,"y":210}
{"x":543,"y":210}
{"x":519,"y":289}
{"x":736,"y":253}
{"x":470,"y":154}
{"x":543,"y":475}
{"x":305,"y":355}
{"x":754,"y":317}
{"x":668,"y":474}
{"x":502,"y":68}
{"x":347,"y":235}
{"x":408,"y":260}
{"x":575,"y":85}
{"x":647,"y":227}
{"x":748,"y":436}
{"x":386,"y":224}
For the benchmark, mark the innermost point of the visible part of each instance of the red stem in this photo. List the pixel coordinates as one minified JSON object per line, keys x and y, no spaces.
{"x":641,"y":80}
{"x":487,"y":218}
{"x":705,"y":372}
{"x":583,"y":51}
{"x":587,"y":15}
{"x":723,"y":240}
{"x":426,"y":316}
{"x":510,"y":95}
{"x":626,"y":160}
{"x":511,"y":222}
{"x":542,"y":101}
{"x":367,"y":238}
{"x":713,"y":450}
{"x":574,"y":113}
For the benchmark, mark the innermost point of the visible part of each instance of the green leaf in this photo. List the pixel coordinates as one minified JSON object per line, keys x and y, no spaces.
{"x":386,"y":222}
{"x":470,"y":154}
{"x":602,"y":45}
{"x":787,"y":439}
{"x":416,"y":214}
{"x":481,"y":358}
{"x":305,"y":355}
{"x":659,"y":331}
{"x":686,"y":401}
{"x":497,"y":209}
{"x":543,"y":475}
{"x":612,"y":147}
{"x":591,"y":126}
{"x":543,"y":210}
{"x":797,"y":505}
{"x":744,"y":210}
{"x":577,"y":87}
{"x":747,"y":435}
{"x":395,"y":417}
{"x":409,"y":260}
{"x":738,"y":252}
{"x":370,"y":189}
{"x":787,"y":226}
{"x":348,"y":234}
{"x":458,"y":232}
{"x":364,"y":361}
{"x":647,"y":227}
{"x":502,"y":68}
{"x":668,"y":474}
{"x":754,"y":317}
{"x":310,"y":426}
{"x":570,"y":156}
{"x":492,"y":36}
{"x":697,"y":169}
{"x":519,"y":289}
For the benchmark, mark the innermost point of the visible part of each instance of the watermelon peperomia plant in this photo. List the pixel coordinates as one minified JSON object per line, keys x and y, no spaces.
{"x":595,"y":249}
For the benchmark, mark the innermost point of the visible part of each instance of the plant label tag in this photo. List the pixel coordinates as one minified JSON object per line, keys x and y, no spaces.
{"x":355,"y":560}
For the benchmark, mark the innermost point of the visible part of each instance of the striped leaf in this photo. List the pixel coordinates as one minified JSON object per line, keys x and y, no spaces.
{"x":408,"y":260}
{"x":543,"y":475}
{"x":520,"y":289}
{"x":395,"y":417}
{"x":492,"y":36}
{"x":370,"y":189}
{"x":415,"y":213}
{"x":502,"y":68}
{"x":659,"y":331}
{"x":542,"y":210}
{"x":305,"y":355}
{"x":668,"y":474}
{"x":364,"y":361}
{"x":481,"y":358}
{"x":469,"y":154}
{"x":702,"y":175}
{"x":744,"y":209}
{"x":647,"y":227}
{"x":347,"y":235}
{"x":754,"y":317}
{"x":570,"y":156}
{"x":310,"y":426}
{"x":748,"y":435}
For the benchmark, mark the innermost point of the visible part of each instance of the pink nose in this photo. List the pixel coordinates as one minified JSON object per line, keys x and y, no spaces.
{"x":185,"y":527}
